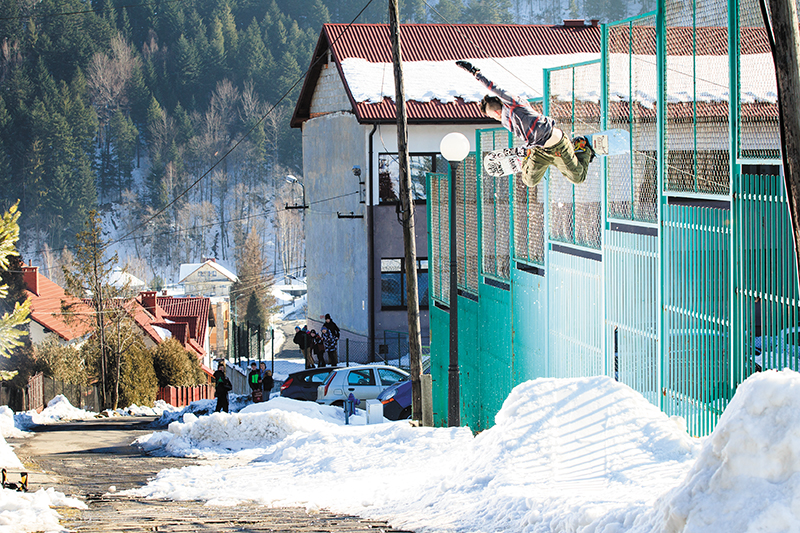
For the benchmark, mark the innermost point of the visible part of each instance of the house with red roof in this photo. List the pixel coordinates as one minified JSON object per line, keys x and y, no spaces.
{"x":47,"y":320}
{"x":158,"y":317}
{"x":346,"y":109}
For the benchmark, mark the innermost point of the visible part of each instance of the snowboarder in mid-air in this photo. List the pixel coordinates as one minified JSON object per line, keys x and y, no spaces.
{"x":545,"y":144}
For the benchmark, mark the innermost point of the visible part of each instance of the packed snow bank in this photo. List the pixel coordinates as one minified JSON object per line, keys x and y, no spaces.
{"x":57,"y":409}
{"x":32,"y":511}
{"x":747,"y":475}
{"x":236,"y":403}
{"x":7,"y":424}
{"x":564,"y":455}
{"x":158,"y":409}
{"x":255,"y":426}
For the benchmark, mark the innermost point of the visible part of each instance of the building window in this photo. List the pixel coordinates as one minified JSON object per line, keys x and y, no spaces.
{"x":419,"y":164}
{"x":393,"y":283}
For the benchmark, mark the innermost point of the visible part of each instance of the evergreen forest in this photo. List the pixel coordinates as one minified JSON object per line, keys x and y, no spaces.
{"x":128,"y":107}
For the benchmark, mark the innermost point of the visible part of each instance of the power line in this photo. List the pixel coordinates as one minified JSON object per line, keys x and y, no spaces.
{"x":86,"y":11}
{"x":246,"y":135}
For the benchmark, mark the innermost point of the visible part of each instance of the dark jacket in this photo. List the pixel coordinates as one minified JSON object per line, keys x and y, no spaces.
{"x":253,"y":379}
{"x":318,"y":346}
{"x":329,"y":340}
{"x":301,"y":338}
{"x":221,"y":383}
{"x":333,"y":328}
{"x":267,"y":382}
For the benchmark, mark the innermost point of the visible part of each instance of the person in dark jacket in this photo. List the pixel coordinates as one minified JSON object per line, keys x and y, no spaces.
{"x":302,"y":340}
{"x":318,"y":348}
{"x":330,"y":342}
{"x":254,"y":378}
{"x":332,"y":327}
{"x":221,"y":387}
{"x":267,"y":381}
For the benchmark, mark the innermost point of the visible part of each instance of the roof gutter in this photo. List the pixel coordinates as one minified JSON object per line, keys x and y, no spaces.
{"x":371,"y":246}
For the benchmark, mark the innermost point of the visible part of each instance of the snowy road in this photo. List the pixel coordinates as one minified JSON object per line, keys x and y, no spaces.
{"x":87,"y":458}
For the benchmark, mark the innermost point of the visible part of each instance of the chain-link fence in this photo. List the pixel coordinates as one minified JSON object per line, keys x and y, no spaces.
{"x":439,"y":234}
{"x":574,"y":103}
{"x":495,"y":209}
{"x":467,"y":224}
{"x":632,"y":85}
{"x":697,"y":75}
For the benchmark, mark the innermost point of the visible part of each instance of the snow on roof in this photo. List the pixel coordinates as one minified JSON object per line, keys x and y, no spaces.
{"x":187,"y":269}
{"x":118,"y":278}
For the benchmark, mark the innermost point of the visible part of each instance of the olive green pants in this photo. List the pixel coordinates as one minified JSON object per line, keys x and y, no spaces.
{"x":562,"y":156}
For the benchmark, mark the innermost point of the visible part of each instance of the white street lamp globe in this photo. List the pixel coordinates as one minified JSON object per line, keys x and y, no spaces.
{"x":454,"y":146}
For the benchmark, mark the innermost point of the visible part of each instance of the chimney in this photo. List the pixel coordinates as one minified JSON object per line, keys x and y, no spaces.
{"x":149,"y":301}
{"x":30,"y":275}
{"x":573,"y":23}
{"x":595,"y":22}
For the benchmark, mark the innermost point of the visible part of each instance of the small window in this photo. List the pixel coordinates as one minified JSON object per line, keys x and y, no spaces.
{"x":393,"y":283}
{"x":362,"y":377}
{"x":419,"y":165}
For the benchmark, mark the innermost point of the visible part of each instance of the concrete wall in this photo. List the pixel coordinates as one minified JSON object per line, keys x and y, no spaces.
{"x":336,"y":248}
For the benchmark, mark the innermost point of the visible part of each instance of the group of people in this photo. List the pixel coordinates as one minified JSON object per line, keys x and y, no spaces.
{"x":260,"y":379}
{"x":315,"y":345}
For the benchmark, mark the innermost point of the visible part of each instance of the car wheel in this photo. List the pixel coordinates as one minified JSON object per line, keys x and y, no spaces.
{"x":338,"y":403}
{"x":405,"y":413}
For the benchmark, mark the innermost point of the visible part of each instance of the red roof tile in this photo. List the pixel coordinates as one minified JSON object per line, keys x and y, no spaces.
{"x":436,"y":42}
{"x":46,"y":307}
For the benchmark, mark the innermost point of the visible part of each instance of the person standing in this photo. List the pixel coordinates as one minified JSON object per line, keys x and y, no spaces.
{"x":331,"y":325}
{"x":330,"y":342}
{"x":302,"y":340}
{"x":254,"y":377}
{"x":267,"y":381}
{"x":318,"y":348}
{"x":221,"y":387}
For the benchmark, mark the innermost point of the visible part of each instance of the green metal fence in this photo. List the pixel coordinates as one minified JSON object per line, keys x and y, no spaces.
{"x":672,"y":268}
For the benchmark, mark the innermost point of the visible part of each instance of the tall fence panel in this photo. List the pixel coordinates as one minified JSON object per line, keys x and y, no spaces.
{"x":632,"y":97}
{"x":495,"y":210}
{"x":575,"y":345}
{"x":697,"y":76}
{"x":631,"y":313}
{"x":439,"y":237}
{"x":573,"y":100}
{"x":769,"y":300}
{"x":697,"y":322}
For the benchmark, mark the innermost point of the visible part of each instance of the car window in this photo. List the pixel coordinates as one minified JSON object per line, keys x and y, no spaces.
{"x":319,"y":377}
{"x":362,"y":376}
{"x":389,"y":377}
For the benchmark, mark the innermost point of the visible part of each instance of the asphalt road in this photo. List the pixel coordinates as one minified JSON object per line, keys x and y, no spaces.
{"x":86,"y":458}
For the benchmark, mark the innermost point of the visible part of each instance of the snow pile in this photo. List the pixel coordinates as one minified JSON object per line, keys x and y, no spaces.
{"x":58,"y":409}
{"x":255,"y":426}
{"x":158,"y":409}
{"x":236,"y":403}
{"x":564,"y":455}
{"x":747,"y":475}
{"x":7,"y":426}
{"x":21,"y":511}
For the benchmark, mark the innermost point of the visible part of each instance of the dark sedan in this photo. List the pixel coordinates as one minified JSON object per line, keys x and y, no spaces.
{"x":303,"y":385}
{"x":396,"y":401}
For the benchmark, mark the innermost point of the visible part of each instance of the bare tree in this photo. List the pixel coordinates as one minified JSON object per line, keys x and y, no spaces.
{"x":289,"y":233}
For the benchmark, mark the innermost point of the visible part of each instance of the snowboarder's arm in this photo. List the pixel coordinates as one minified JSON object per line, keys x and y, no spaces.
{"x":506,"y":98}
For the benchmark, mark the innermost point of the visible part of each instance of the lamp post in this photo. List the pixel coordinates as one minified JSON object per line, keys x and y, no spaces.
{"x":454,"y":147}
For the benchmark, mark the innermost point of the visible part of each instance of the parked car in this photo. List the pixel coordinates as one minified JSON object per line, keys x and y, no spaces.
{"x":303,"y":385}
{"x":396,"y":401}
{"x":364,"y":382}
{"x":781,"y":350}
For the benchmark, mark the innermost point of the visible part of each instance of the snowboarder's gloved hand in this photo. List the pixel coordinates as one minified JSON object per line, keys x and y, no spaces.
{"x":466,"y":65}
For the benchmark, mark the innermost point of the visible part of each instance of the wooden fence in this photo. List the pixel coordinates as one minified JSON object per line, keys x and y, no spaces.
{"x":41,"y":389}
{"x":183,"y":396}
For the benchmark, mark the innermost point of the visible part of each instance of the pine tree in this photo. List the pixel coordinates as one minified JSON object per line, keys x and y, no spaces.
{"x":11,"y":331}
{"x":123,"y":136}
{"x":88,"y":277}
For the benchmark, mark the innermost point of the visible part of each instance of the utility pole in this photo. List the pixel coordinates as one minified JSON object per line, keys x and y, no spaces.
{"x":781,"y":25}
{"x":407,"y":216}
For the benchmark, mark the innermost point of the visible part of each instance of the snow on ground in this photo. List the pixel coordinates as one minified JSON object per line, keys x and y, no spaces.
{"x":57,"y":410}
{"x":29,"y":511}
{"x":7,"y":426}
{"x":582,"y":455}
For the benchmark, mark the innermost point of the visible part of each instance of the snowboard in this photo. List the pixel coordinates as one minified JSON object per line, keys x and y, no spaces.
{"x":509,"y":160}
